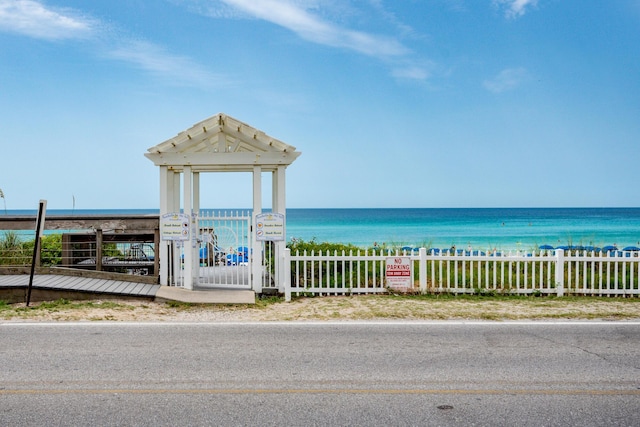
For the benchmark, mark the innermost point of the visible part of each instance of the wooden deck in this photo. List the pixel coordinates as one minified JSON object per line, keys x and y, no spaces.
{"x":80,"y":284}
{"x":48,"y":287}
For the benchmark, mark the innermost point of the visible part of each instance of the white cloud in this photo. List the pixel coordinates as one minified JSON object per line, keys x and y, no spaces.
{"x":162,"y":64}
{"x":295,"y":17}
{"x":31,"y":18}
{"x":515,"y":8}
{"x":507,"y":79}
{"x":303,"y":17}
{"x":411,"y":73}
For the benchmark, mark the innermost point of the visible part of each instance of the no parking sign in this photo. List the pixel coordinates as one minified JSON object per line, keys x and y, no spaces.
{"x":399,"y":273}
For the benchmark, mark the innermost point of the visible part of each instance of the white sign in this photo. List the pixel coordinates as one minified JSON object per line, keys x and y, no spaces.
{"x":270,"y":226}
{"x":175,"y":226}
{"x":399,"y":273}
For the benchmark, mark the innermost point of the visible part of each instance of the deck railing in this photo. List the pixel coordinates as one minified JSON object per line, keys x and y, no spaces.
{"x":115,"y":243}
{"x":556,"y":272}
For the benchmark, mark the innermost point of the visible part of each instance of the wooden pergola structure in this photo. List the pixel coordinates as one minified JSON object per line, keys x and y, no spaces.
{"x":217,"y":144}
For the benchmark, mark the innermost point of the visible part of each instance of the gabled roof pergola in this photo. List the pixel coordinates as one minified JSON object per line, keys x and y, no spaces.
{"x":222,"y":143}
{"x":217,"y":144}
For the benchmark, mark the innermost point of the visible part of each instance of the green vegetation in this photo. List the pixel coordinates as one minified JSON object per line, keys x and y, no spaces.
{"x":4,"y":200}
{"x":51,"y":250}
{"x":490,"y":276}
{"x":8,"y":311}
{"x":15,"y":251}
{"x":180,"y":305}
{"x":333,"y":274}
{"x":299,"y":245}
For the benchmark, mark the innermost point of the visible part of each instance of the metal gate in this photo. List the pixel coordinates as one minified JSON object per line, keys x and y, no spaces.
{"x":225,"y":250}
{"x":226,"y":253}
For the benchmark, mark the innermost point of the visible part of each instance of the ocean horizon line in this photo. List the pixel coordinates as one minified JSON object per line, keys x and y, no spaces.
{"x":501,"y":228}
{"x":35,"y":209}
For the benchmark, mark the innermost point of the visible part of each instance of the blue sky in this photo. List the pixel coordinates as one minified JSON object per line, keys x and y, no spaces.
{"x":403,"y":103}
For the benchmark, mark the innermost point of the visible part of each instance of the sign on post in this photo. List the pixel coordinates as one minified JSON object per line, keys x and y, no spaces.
{"x":42,"y":209}
{"x":398,"y":273}
{"x":175,"y":226}
{"x":270,"y":226}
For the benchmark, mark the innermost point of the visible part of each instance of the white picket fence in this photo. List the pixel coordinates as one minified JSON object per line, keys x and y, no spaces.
{"x":546,"y":272}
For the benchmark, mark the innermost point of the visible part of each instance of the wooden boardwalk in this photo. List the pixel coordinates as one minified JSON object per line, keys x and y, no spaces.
{"x":80,"y":284}
{"x":53,"y":286}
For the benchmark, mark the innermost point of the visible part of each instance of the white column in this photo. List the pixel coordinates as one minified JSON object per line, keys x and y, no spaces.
{"x":279,"y":193}
{"x":163,"y":256}
{"x":196,"y":214}
{"x":256,"y":264}
{"x":188,"y":245}
{"x":280,"y":206}
{"x":196,"y":192}
{"x":175,"y":200}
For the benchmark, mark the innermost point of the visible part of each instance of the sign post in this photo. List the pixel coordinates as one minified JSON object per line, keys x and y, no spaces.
{"x":36,"y":247}
{"x":175,"y":226}
{"x":398,"y":273}
{"x":270,"y":227}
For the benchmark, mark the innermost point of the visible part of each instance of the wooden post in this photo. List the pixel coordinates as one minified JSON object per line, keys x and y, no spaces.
{"x":36,"y":247}
{"x":99,"y":249}
{"x":156,"y":252}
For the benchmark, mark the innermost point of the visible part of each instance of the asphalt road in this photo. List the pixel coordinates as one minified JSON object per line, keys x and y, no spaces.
{"x":364,"y":374}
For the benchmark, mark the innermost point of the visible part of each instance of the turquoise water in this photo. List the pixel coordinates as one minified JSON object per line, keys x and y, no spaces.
{"x":491,"y":228}
{"x":486,"y":229}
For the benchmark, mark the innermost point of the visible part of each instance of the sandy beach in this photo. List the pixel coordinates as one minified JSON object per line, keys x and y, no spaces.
{"x":339,"y":308}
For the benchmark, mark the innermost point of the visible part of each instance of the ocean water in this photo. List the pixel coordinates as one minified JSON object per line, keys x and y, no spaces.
{"x":477,"y":228}
{"x":486,"y":229}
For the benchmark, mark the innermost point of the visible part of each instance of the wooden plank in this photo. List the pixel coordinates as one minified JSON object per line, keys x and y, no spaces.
{"x":108,"y":285}
{"x":101,"y":285}
{"x":14,"y":281}
{"x":153,"y":280}
{"x":91,"y":285}
{"x":130,"y":223}
{"x":81,"y":284}
{"x":54,"y":282}
{"x":76,"y":283}
{"x":50,"y":282}
{"x":135,"y":290}
{"x":113,"y":285}
{"x":121,"y":287}
{"x":68,"y":283}
{"x":150,"y":290}
{"x":131,"y":289}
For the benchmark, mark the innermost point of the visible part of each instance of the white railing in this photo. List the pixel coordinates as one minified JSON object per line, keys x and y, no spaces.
{"x":546,"y":273}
